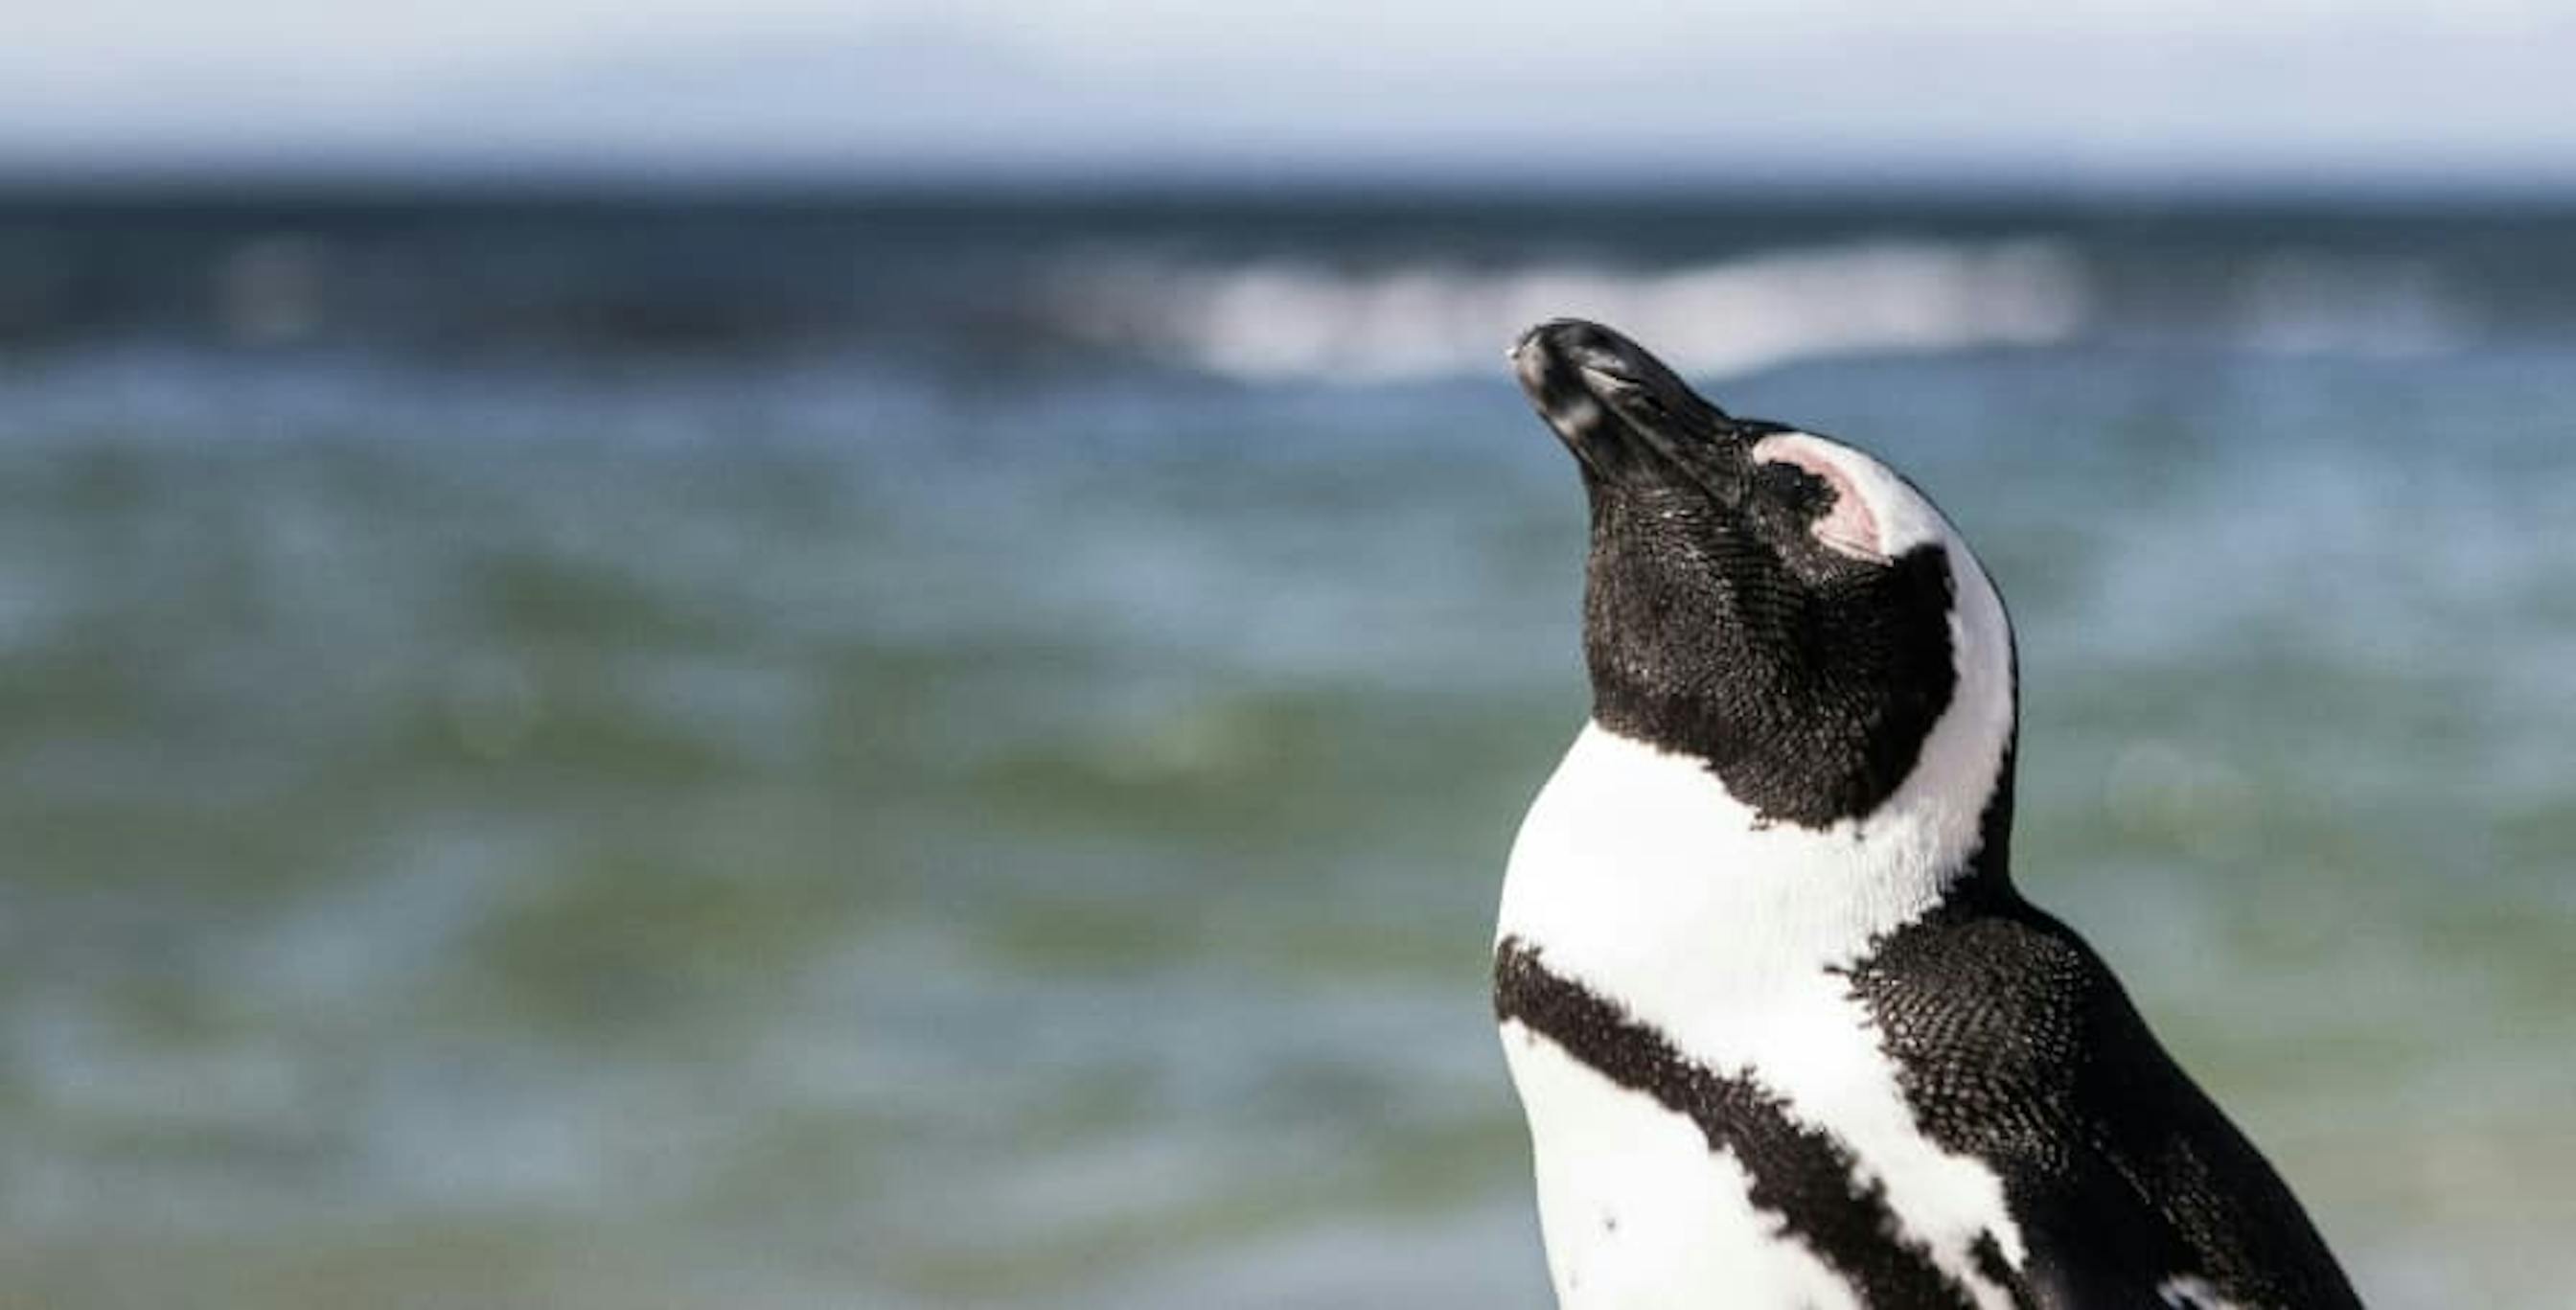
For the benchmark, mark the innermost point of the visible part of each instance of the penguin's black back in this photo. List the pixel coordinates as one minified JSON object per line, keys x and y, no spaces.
{"x":2016,"y":1045}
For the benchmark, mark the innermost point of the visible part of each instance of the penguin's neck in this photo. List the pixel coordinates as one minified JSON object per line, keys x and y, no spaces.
{"x":1634,"y":859}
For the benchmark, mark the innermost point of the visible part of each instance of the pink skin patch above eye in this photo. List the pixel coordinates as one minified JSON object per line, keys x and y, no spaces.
{"x":1849,"y":528}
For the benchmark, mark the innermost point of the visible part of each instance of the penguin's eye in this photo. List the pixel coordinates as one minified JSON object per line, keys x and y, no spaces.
{"x":1838,"y":515}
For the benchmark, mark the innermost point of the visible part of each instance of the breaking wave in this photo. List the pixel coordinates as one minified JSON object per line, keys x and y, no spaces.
{"x":1281,"y":321}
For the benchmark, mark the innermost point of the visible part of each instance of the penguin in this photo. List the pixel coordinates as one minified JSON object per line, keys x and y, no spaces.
{"x":1784,"y":1030}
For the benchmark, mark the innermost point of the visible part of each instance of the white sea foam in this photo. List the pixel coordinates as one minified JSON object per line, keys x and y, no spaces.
{"x":1283,"y":321}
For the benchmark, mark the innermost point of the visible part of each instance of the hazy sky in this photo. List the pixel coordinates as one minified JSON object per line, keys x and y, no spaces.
{"x":2476,"y":90}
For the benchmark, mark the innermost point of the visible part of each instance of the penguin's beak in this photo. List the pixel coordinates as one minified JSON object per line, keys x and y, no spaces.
{"x":1619,"y":409}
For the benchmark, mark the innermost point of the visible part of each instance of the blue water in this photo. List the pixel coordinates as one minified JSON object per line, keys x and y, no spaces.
{"x":954,"y":752}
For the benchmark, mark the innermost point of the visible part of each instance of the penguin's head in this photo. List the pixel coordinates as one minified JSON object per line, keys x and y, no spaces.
{"x":1779,"y":605}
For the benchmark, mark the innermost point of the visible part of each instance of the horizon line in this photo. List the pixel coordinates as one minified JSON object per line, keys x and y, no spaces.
{"x":560,"y":181}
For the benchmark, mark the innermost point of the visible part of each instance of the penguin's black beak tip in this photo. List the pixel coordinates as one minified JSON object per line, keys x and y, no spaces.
{"x":1570,"y":369}
{"x":1570,"y":348}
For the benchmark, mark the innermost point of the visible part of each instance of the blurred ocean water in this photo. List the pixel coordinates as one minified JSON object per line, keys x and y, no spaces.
{"x":947,"y":752}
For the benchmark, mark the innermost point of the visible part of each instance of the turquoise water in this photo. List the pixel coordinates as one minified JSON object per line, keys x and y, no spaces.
{"x":965,"y":760}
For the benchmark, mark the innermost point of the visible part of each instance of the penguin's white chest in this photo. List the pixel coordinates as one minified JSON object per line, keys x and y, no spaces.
{"x":1638,"y":880}
{"x":1638,"y":1212}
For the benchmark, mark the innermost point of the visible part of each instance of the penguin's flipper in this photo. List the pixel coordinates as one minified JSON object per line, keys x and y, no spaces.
{"x":2019,"y":1047}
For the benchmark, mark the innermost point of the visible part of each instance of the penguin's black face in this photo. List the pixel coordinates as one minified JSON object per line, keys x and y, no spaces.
{"x":1769,"y":601}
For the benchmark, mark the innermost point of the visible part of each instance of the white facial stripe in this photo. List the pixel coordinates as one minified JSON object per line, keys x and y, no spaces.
{"x":1979,"y":721}
{"x":1904,"y":519}
{"x":1849,"y":526}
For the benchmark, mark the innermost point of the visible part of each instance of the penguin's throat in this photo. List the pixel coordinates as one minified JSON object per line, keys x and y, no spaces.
{"x":1644,"y":843}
